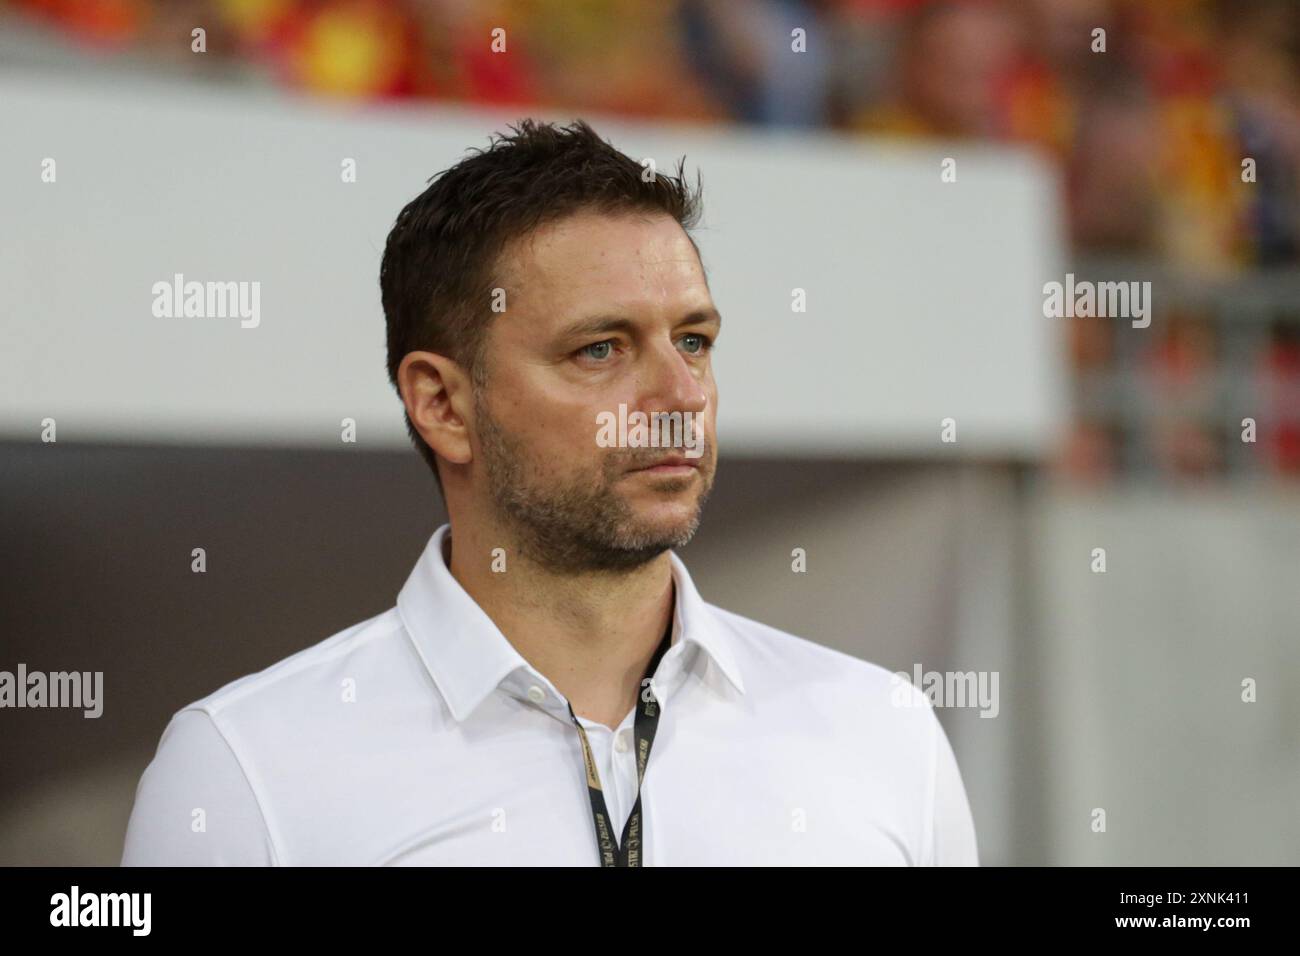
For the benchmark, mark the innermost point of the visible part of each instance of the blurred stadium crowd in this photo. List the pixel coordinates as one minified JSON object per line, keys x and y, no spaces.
{"x":1151,"y":134}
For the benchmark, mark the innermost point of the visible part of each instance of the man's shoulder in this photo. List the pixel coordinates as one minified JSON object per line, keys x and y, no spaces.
{"x":301,"y":677}
{"x":845,"y":693}
{"x":790,"y":656}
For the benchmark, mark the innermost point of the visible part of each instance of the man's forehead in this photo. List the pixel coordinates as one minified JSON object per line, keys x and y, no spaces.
{"x":606,"y":247}
{"x":629,"y":260}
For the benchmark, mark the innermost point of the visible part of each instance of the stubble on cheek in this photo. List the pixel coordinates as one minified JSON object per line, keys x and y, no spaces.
{"x":580,"y":519}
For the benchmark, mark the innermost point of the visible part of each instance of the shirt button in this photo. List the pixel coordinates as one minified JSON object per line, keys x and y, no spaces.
{"x":621,"y":741}
{"x":536,"y":694}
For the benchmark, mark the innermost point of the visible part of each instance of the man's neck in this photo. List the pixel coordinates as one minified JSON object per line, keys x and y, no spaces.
{"x":592,"y":635}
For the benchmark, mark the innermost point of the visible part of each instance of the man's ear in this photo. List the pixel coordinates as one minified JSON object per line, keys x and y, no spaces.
{"x":437,"y":394}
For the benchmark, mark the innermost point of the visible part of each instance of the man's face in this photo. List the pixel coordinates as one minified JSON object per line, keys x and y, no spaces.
{"x":601,"y":311}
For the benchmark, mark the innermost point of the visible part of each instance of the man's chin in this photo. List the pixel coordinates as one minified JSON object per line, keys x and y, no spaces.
{"x":669,"y":520}
{"x":636,"y":549}
{"x":655,"y":534}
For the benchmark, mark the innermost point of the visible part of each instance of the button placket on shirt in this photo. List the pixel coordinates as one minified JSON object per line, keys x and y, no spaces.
{"x":623,"y":771}
{"x":613,"y":782}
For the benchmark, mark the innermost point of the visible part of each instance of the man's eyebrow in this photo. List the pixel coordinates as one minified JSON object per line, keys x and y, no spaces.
{"x":701,"y":316}
{"x":600,"y":324}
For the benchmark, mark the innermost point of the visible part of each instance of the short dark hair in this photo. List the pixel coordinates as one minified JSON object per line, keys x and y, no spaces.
{"x":439,"y":264}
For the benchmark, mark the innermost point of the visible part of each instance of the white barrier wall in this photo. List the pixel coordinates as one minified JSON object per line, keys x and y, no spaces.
{"x":923,"y":297}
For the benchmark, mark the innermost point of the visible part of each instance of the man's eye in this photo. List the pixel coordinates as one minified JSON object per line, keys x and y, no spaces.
{"x":695,"y":344}
{"x":597,"y":350}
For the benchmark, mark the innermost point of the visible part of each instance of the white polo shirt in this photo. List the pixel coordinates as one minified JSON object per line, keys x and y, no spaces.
{"x":422,"y":737}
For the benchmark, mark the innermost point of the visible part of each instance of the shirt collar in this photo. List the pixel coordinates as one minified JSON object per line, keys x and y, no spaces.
{"x":468,"y":657}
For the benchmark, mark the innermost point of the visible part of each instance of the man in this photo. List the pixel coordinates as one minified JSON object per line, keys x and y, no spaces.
{"x":550,"y":687}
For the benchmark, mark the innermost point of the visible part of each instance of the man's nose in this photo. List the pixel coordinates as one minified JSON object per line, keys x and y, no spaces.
{"x":672,"y":384}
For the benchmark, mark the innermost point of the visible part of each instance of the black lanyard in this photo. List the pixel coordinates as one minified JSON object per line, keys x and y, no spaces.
{"x":627,"y":852}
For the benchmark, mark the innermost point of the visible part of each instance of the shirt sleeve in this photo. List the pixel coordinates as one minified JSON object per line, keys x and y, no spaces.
{"x":953,"y":841}
{"x":194,"y":805}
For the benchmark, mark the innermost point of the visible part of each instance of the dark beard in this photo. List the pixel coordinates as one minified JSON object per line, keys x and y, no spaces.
{"x":582,"y":527}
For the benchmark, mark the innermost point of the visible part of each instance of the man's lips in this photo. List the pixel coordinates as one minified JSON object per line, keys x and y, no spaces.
{"x":671,"y":464}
